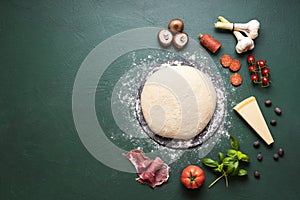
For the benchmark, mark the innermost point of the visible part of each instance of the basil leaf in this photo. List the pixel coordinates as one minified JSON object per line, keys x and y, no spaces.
{"x":221,"y":156}
{"x":242,"y":172}
{"x":228,"y":160}
{"x":236,"y":167}
{"x":210,"y":162}
{"x":232,"y":153}
{"x":219,"y":168}
{"x":230,"y":168}
{"x":243,"y":157}
{"x":234,"y":143}
{"x":229,"y":164}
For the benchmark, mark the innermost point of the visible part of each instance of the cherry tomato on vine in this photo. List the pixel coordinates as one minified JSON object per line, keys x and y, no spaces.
{"x":265,"y":71}
{"x":250,"y":59}
{"x":192,"y":177}
{"x":261,"y":63}
{"x":252,"y":68}
{"x":265,"y":80}
{"x":254,"y":77}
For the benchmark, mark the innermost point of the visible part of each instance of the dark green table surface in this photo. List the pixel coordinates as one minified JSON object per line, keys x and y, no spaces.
{"x":42,"y":46}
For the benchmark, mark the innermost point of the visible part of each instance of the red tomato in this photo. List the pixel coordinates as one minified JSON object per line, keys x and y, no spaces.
{"x":265,"y":71}
{"x":261,"y":63}
{"x":265,"y":80}
{"x":252,"y":68}
{"x":192,"y":177}
{"x":250,"y":59}
{"x":254,"y":77}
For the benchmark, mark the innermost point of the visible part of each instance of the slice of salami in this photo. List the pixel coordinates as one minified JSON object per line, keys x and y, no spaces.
{"x":236,"y":79}
{"x":235,"y":65}
{"x":225,"y":60}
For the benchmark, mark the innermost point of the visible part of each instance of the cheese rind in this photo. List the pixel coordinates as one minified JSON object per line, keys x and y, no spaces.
{"x":251,"y":113}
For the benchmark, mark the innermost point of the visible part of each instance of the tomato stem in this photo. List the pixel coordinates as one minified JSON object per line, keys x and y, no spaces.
{"x":263,"y":77}
{"x":192,"y":177}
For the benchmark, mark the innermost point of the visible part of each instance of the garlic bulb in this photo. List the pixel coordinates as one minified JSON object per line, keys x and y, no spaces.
{"x":250,"y":29}
{"x":244,"y":43}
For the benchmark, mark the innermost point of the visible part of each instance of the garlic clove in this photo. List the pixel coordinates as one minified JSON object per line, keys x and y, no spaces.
{"x":244,"y":45}
{"x":250,"y":29}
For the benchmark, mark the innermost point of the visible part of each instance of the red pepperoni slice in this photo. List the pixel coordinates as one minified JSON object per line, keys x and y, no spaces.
{"x":225,"y":60}
{"x":235,"y":65}
{"x":236,"y":79}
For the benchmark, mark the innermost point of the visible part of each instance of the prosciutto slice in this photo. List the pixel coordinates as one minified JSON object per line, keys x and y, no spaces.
{"x":151,"y":172}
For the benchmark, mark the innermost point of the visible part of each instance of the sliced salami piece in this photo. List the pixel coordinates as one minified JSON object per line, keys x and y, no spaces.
{"x":225,"y":60}
{"x":235,"y":65}
{"x":236,"y":79}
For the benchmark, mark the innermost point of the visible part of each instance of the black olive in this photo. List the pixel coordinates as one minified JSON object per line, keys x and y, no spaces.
{"x":268,"y":103}
{"x":275,"y":156}
{"x":273,"y":122}
{"x":280,"y":152}
{"x":259,"y":156}
{"x":256,"y":144}
{"x":256,"y":174}
{"x":277,"y":111}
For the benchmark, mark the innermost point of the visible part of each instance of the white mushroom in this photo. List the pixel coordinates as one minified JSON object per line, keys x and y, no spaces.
{"x":165,"y":37}
{"x":180,"y":40}
{"x":244,"y":43}
{"x":250,"y":29}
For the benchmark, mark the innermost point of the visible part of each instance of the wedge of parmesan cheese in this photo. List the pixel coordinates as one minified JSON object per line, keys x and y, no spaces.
{"x":251,"y":113}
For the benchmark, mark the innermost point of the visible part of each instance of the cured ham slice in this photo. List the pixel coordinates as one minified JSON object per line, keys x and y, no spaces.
{"x":151,"y":172}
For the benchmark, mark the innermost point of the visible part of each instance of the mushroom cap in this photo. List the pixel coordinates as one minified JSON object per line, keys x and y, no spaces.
{"x":180,"y":40}
{"x":176,"y":25}
{"x":165,"y":37}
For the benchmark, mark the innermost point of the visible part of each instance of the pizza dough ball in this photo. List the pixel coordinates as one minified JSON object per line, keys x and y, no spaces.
{"x":178,"y":102}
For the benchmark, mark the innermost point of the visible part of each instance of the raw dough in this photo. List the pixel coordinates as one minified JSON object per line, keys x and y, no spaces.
{"x":178,"y":102}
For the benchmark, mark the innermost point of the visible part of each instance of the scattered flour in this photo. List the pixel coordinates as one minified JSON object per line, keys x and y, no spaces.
{"x":125,"y":107}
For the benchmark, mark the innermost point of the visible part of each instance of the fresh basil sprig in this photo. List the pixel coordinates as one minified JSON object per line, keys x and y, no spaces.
{"x":228,"y":165}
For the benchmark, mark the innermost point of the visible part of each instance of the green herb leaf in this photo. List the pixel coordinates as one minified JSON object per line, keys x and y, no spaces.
{"x":221,"y":156}
{"x":242,"y":172}
{"x":228,"y":160}
{"x":243,"y":157}
{"x":219,"y":168}
{"x":236,"y":168}
{"x":230,"y":168}
{"x":210,"y":162}
{"x":234,"y":143}
{"x":232,"y":153}
{"x":230,"y":164}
